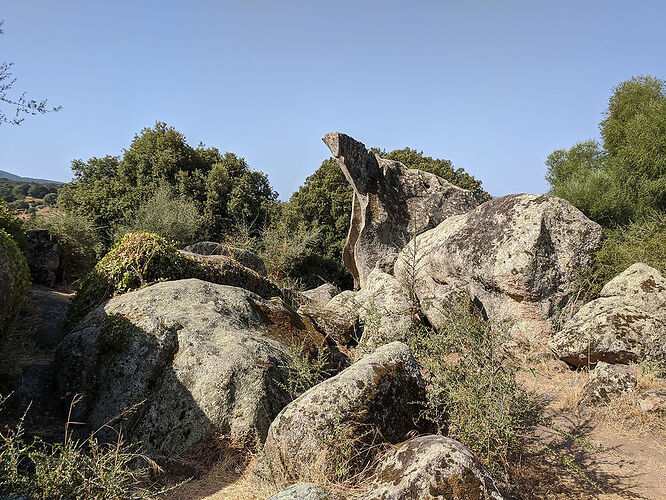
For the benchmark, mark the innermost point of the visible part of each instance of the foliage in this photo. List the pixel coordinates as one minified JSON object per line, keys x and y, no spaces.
{"x":139,"y":259}
{"x":304,"y":372}
{"x":136,"y":260}
{"x":78,"y":241}
{"x":21,"y":105}
{"x":287,"y":244}
{"x":472,"y":392}
{"x":12,"y":225}
{"x":175,"y":219}
{"x":222,"y":187}
{"x":626,"y":179}
{"x":70,"y":470}
{"x":15,"y":268}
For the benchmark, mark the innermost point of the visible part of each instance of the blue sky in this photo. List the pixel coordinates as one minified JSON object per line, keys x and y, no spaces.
{"x":494,"y":86}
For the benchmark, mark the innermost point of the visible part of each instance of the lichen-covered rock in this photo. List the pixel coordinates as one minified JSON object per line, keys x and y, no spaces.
{"x":202,"y":357}
{"x":390,"y":204}
{"x":322,"y":294}
{"x":245,"y":257}
{"x":381,"y":391}
{"x":140,"y":259}
{"x":14,"y":281}
{"x":340,"y":328}
{"x":605,"y":382}
{"x":431,"y":467}
{"x":302,"y":491}
{"x":43,"y":256}
{"x":652,"y":401}
{"x":626,"y":322}
{"x":519,"y":255}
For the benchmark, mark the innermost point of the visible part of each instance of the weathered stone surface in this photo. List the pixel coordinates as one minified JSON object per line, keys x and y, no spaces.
{"x":245,"y":257}
{"x":322,"y":294}
{"x":391,"y":203}
{"x":431,"y":467}
{"x":342,"y":329}
{"x":381,"y":307}
{"x":204,"y":357}
{"x":626,"y":322}
{"x":605,"y":382}
{"x":302,"y":491}
{"x":519,"y":255}
{"x":652,"y":401}
{"x":380,"y":391}
{"x":43,"y":256}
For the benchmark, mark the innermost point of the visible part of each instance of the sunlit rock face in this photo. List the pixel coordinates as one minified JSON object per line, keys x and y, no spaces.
{"x":391,"y":203}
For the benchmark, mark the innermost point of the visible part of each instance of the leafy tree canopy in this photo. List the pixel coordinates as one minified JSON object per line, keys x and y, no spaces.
{"x":221,"y":186}
{"x":625,"y":179}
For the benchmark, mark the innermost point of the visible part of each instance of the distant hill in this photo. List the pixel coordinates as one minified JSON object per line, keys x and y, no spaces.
{"x":18,"y":178}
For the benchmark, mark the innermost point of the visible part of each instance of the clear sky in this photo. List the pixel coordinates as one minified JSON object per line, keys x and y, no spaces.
{"x":492,"y":85}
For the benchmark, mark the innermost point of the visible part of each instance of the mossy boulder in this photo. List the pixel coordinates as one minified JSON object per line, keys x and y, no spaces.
{"x":140,"y":259}
{"x":197,"y":358}
{"x":14,"y":281}
{"x":376,"y":396}
{"x":431,"y":467}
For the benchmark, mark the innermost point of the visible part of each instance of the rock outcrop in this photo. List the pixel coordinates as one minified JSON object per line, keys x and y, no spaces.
{"x":518,"y":255}
{"x":379,"y":392}
{"x":626,"y":322}
{"x":201,"y":357}
{"x":391,"y":204}
{"x":245,"y":257}
{"x":14,"y":281}
{"x":43,"y":256}
{"x":302,"y":491}
{"x":606,"y":382}
{"x":431,"y":467}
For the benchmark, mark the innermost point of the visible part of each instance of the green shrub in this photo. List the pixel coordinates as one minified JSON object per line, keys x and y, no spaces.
{"x":12,"y":225}
{"x":70,"y":470}
{"x":472,"y":394}
{"x":78,"y":240}
{"x":140,"y":259}
{"x":14,"y":267}
{"x":173,"y":218}
{"x":304,"y":371}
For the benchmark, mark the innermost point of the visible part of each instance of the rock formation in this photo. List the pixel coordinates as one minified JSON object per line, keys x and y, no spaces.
{"x":201,"y":357}
{"x":379,"y":392}
{"x":518,"y":255}
{"x":431,"y":467}
{"x":43,"y":256}
{"x":14,"y":281}
{"x":245,"y":257}
{"x":391,"y":204}
{"x":627,"y":321}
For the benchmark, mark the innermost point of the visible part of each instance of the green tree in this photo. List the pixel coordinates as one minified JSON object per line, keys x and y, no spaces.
{"x":626,"y":179}
{"x":222,"y":187}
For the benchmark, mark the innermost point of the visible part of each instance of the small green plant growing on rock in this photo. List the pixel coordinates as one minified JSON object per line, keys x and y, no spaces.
{"x":304,"y":371}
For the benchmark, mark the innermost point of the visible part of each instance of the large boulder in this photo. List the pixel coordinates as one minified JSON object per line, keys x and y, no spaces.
{"x":626,"y":322}
{"x":381,"y":308}
{"x":381,"y":392}
{"x":14,"y":281}
{"x":606,"y":382}
{"x":518,"y":255}
{"x":193,"y":358}
{"x":431,"y":467}
{"x":245,"y":257}
{"x":391,"y":204}
{"x":43,"y":256}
